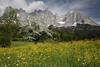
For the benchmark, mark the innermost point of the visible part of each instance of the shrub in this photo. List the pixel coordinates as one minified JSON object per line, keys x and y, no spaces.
{"x":5,"y":42}
{"x":8,"y":26}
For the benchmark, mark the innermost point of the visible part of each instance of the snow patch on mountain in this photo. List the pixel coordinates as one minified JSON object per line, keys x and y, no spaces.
{"x":74,"y":24}
{"x":61,"y":22}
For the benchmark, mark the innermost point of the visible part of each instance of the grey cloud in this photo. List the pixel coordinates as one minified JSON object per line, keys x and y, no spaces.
{"x":62,"y":8}
{"x":21,"y":4}
{"x":56,"y":6}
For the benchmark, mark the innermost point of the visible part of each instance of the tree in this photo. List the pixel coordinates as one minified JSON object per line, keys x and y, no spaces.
{"x":9,"y":25}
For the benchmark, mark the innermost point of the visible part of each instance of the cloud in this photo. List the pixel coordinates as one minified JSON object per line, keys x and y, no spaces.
{"x":63,"y":7}
{"x":56,"y":6}
{"x":18,"y":4}
{"x":35,"y":5}
{"x":21,"y":4}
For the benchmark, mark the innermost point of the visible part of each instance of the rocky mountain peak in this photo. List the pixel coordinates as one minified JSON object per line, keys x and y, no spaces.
{"x":46,"y":18}
{"x":72,"y":18}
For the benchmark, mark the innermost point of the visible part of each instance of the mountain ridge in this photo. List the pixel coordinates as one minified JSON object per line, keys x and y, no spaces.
{"x":47,"y":18}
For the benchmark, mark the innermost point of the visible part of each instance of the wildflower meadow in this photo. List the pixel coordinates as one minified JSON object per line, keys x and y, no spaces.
{"x":63,"y":54}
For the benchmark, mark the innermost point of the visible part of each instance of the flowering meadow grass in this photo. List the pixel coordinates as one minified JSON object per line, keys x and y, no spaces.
{"x":63,"y":54}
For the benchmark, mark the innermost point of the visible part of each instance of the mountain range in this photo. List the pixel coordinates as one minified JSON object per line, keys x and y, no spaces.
{"x":46,"y":18}
{"x":41,"y":21}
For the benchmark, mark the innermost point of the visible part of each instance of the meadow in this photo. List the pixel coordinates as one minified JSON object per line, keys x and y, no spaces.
{"x":84,"y":53}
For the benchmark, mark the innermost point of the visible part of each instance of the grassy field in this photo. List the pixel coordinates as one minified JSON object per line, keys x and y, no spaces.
{"x":63,"y":54}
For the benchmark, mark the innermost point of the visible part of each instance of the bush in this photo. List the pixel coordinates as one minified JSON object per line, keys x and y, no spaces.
{"x":5,"y":36}
{"x":63,"y":36}
{"x":5,"y":42}
{"x":8,"y":26}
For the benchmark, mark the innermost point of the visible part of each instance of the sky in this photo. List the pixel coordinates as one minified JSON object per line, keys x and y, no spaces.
{"x":90,"y":8}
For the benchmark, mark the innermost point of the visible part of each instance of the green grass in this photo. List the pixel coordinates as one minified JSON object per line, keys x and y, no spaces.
{"x":63,"y":54}
{"x":20,"y":43}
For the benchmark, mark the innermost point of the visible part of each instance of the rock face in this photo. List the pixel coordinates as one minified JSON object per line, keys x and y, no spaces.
{"x":24,"y":18}
{"x":45,"y":18}
{"x":72,"y":18}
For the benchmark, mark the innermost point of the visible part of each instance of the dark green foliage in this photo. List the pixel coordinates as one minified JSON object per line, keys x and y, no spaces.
{"x":56,"y":35}
{"x":76,"y":33}
{"x":5,"y":36}
{"x":63,"y":36}
{"x":41,"y":37}
{"x":87,"y":34}
{"x":5,"y":42}
{"x":11,"y":20}
{"x":8,"y":26}
{"x":67,"y":36}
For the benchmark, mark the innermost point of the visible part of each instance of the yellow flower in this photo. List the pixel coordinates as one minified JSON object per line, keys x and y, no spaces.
{"x":18,"y":61}
{"x":61,"y":49}
{"x":23,"y":58}
{"x":17,"y":64}
{"x":96,"y":58}
{"x":9,"y":57}
{"x":18,"y":56}
{"x":24,"y":62}
{"x":5,"y":66}
{"x":84,"y":63}
{"x":36,"y":51}
{"x":48,"y":56}
{"x":8,"y":64}
{"x":78,"y":59}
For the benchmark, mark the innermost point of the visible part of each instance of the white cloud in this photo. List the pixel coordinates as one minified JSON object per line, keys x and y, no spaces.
{"x":35,"y":5}
{"x":62,"y":8}
{"x":53,"y":5}
{"x":18,"y":4}
{"x":21,"y":4}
